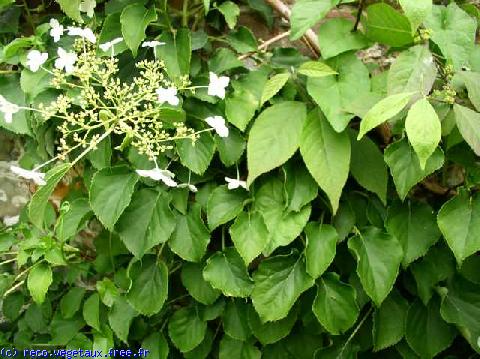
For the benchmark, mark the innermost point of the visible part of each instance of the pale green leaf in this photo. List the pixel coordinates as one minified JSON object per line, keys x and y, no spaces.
{"x":468,"y":123}
{"x":224,"y":205}
{"x":196,"y":156}
{"x":38,"y":281}
{"x":146,"y":222}
{"x":226,"y":271}
{"x":157,"y":346}
{"x":71,"y":8}
{"x":273,"y":85}
{"x":268,"y":147}
{"x":305,"y":13}
{"x":230,"y":11}
{"x":91,"y":311}
{"x":405,"y":166}
{"x":386,"y":25}
{"x":135,"y":19}
{"x":423,"y":129}
{"x":459,"y":220}
{"x":110,"y":193}
{"x":279,"y":281}
{"x":416,"y":11}
{"x":149,"y":288}
{"x":316,"y":69}
{"x":383,"y":111}
{"x":321,"y":247}
{"x":378,"y":256}
{"x":120,"y":317}
{"x":249,"y":235}
{"x":326,"y":154}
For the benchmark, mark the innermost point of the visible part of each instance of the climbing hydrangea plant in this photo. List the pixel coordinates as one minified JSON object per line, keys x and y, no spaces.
{"x":204,"y":189}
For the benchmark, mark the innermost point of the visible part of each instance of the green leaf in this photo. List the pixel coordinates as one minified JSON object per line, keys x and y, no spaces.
{"x":273,"y":85}
{"x":416,"y":11}
{"x":425,"y":331}
{"x":34,"y":83}
{"x":38,"y":281}
{"x":242,"y":40}
{"x":202,"y":350}
{"x":335,"y":305}
{"x":224,"y":205}
{"x":240,"y":108}
{"x":10,"y":89}
{"x":230,"y":11}
{"x":458,"y":220}
{"x":423,"y":129}
{"x":300,"y":187}
{"x":191,"y":236}
{"x":321,"y":247}
{"x":149,"y":288}
{"x":335,"y":36}
{"x":387,"y":26}
{"x":334,"y":93}
{"x":378,"y":256}
{"x":413,"y":71}
{"x":249,"y":235}
{"x":69,"y":221}
{"x":279,"y":281}
{"x":226,"y":271}
{"x":453,"y":31}
{"x":271,"y":332}
{"x":472,"y":83}
{"x":196,"y":156}
{"x":233,"y":348}
{"x":235,"y":320}
{"x":186,"y":329}
{"x":223,"y":60}
{"x":436,"y":266}
{"x":176,"y":53}
{"x":368,"y":167}
{"x":146,"y":222}
{"x":39,"y":202}
{"x":157,"y":346}
{"x":461,"y":306}
{"x":405,"y":166}
{"x":468,"y":123}
{"x":120,"y":317}
{"x":112,"y":29}
{"x":91,"y":311}
{"x":197,"y":286}
{"x":327,"y":156}
{"x":267,"y":147}
{"x":316,"y":69}
{"x":71,"y":8}
{"x":283,"y":226}
{"x":231,"y":148}
{"x":110,"y":193}
{"x":305,"y":13}
{"x":101,"y":156}
{"x":71,"y":301}
{"x":389,"y":321}
{"x":135,"y":19}
{"x":414,"y":226}
{"x":382,"y":111}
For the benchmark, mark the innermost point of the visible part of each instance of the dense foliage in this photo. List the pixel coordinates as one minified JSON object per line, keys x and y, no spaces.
{"x":201,"y":193}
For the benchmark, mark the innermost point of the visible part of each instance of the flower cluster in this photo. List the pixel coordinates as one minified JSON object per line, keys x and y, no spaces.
{"x":103,"y":105}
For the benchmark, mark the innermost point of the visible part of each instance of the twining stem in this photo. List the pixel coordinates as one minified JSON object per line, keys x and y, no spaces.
{"x":359,"y":15}
{"x":266,"y":44}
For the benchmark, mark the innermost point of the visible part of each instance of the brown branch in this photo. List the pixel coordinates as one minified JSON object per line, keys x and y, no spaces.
{"x":310,"y":36}
{"x":266,"y":44}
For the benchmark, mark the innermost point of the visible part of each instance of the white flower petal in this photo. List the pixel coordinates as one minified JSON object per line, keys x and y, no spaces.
{"x":56,"y":30}
{"x":234,"y":183}
{"x":218,"y":124}
{"x":86,"y":33}
{"x":66,"y":60}
{"x":191,"y":187}
{"x":11,"y":221}
{"x":168,"y":95}
{"x":88,"y":6}
{"x":37,"y":177}
{"x":159,"y":175}
{"x":217,"y":85}
{"x":35,"y":59}
{"x":152,"y":43}
{"x":8,"y":109}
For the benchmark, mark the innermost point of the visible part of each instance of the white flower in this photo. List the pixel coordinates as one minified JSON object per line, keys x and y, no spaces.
{"x":168,"y":95}
{"x":8,"y":109}
{"x":234,"y":183}
{"x":191,"y":187}
{"x":35,"y":59}
{"x":159,"y":175}
{"x":218,"y":124}
{"x":88,"y":6}
{"x":110,"y":44}
{"x":37,"y":177}
{"x":66,"y":60}
{"x":84,"y":33}
{"x":11,"y":221}
{"x":152,"y":43}
{"x":56,"y":30}
{"x":217,"y":85}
